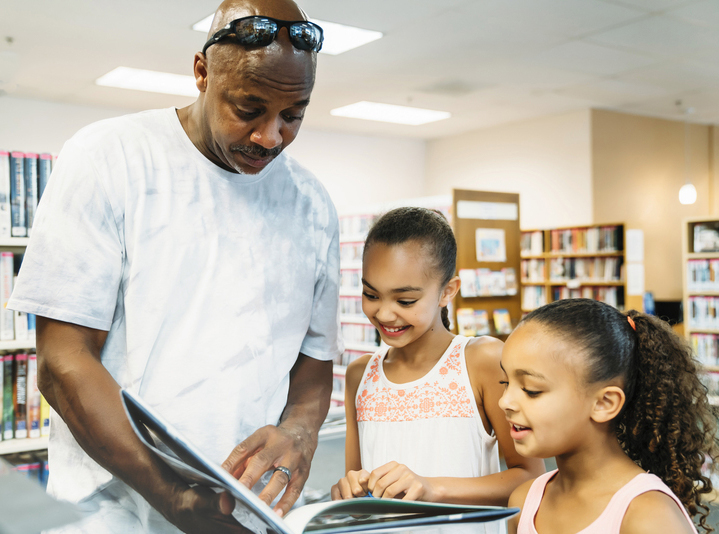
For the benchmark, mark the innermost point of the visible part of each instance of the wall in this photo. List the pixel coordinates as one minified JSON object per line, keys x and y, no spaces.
{"x":355,"y":169}
{"x":547,"y":161}
{"x":638,"y":166}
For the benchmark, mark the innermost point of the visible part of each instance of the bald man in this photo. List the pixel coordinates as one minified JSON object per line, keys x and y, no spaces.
{"x":181,"y":255}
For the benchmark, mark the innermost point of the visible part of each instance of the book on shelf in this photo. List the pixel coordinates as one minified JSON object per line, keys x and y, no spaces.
{"x":30,"y":189}
{"x":7,"y":269}
{"x":5,"y":219}
{"x":471,"y":322}
{"x":8,"y":412}
{"x":487,"y":283}
{"x":44,"y":168}
{"x":44,"y":417}
{"x":322,"y":518}
{"x":502,"y":321}
{"x":706,"y":236}
{"x":532,"y":243}
{"x":590,"y":240}
{"x":33,"y":399}
{"x":533,"y":270}
{"x":20,"y":395}
{"x":17,"y":194}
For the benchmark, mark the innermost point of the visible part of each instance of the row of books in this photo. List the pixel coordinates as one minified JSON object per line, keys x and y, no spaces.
{"x":351,"y":280}
{"x":610,"y":295}
{"x":487,"y":283}
{"x":23,"y":177}
{"x":587,"y":240}
{"x":703,"y":275}
{"x":533,"y":270}
{"x":355,"y":225}
{"x":359,"y":333}
{"x":706,"y":348}
{"x":703,"y":313}
{"x":351,"y":306}
{"x":348,"y":356}
{"x":598,"y":269}
{"x":25,"y":413}
{"x":533,"y":297}
{"x":532,"y":243}
{"x":351,"y":252}
{"x":17,"y":326}
{"x":471,"y":322}
{"x":34,"y":465}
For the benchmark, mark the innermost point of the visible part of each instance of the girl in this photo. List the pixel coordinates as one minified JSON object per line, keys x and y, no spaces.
{"x":422,"y":415}
{"x":611,"y":396}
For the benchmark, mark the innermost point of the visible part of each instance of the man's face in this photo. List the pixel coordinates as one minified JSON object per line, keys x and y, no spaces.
{"x":254,"y":103}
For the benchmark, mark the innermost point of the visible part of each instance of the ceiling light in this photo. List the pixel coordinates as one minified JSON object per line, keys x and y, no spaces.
{"x":374,"y":111}
{"x":149,"y":80}
{"x":688,"y":194}
{"x":338,"y":37}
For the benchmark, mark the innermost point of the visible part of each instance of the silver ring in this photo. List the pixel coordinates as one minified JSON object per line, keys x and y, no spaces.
{"x":285,"y":471}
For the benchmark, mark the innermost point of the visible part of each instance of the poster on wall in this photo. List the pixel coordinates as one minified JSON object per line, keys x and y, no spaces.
{"x":491,"y":245}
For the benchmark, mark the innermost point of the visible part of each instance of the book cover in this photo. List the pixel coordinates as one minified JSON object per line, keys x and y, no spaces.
{"x":17,"y":195}
{"x":706,"y":237}
{"x":465,"y":322}
{"x":30,"y":189}
{"x":481,"y":322}
{"x":502,"y":321}
{"x":5,"y":220}
{"x":7,"y":269}
{"x":33,"y":398}
{"x":31,"y":328}
{"x":333,"y":517}
{"x":468,"y":283}
{"x":8,"y":413}
{"x":44,"y":417}
{"x":510,"y":280}
{"x":20,"y":396}
{"x":44,"y":168}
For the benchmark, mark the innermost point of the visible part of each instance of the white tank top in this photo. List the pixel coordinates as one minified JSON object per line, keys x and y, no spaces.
{"x":432,"y":425}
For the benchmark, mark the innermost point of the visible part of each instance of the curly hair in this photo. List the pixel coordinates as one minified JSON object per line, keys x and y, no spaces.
{"x":666,"y":425}
{"x":430,"y":228}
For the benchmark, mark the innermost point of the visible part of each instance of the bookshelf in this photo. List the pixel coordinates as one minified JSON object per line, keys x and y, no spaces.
{"x":482,"y":216}
{"x":700,"y":288}
{"x":571,"y":262}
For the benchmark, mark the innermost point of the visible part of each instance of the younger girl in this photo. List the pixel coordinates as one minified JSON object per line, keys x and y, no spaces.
{"x":616,"y":399}
{"x":423,"y":419}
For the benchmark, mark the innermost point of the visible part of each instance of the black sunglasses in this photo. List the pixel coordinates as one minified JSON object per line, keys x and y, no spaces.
{"x":261,"y":31}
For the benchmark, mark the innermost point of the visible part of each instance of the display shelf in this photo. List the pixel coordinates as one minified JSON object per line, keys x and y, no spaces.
{"x":13,"y":446}
{"x":20,"y":242}
{"x":360,"y":319}
{"x":17,"y":344}
{"x":353,"y":238}
{"x":580,"y":283}
{"x":702,"y":255}
{"x":351,"y":265}
{"x":703,"y":293}
{"x":695,"y":330}
{"x":346,"y":292}
{"x":361,"y":347}
{"x":615,"y":254}
{"x":339,"y":369}
{"x":533,"y":283}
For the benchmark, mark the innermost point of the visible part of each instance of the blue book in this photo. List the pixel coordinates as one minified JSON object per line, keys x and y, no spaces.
{"x":44,"y":168}
{"x":17,"y":194}
{"x":30,"y":189}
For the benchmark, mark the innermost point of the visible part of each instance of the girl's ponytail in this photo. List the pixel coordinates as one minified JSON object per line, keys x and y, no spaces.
{"x":667,"y":426}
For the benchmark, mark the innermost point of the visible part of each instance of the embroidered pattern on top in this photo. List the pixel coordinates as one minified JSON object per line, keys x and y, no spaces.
{"x":437,"y":397}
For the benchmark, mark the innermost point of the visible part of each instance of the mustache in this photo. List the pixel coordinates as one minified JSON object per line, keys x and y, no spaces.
{"x":256,"y":151}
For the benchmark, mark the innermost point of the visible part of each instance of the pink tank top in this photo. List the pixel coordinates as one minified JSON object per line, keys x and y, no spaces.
{"x":610,"y":520}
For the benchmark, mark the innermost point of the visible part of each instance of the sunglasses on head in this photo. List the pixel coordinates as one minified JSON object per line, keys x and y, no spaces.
{"x":261,"y":31}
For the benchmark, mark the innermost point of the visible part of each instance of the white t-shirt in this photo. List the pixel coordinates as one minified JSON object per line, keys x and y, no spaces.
{"x":209,"y":282}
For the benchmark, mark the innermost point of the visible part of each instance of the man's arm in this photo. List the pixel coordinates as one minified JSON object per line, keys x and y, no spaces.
{"x":84,"y":394}
{"x":292,"y":443}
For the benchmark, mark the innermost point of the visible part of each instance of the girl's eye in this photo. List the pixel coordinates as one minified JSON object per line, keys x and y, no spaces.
{"x":371,"y":297}
{"x":406,"y":302}
{"x":531,"y":393}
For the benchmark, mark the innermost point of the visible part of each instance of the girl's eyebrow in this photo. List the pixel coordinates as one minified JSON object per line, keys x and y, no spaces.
{"x":524,"y":372}
{"x":405,"y":289}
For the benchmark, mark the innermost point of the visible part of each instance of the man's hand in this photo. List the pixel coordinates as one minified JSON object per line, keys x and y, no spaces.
{"x":199,"y":510}
{"x":292,"y":443}
{"x":353,"y":484}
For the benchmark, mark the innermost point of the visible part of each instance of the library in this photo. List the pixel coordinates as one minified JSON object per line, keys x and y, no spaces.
{"x":227,"y":250}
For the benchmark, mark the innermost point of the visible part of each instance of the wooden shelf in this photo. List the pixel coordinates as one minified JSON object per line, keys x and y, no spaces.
{"x":353,"y":238}
{"x":582,"y":283}
{"x":701,"y":331}
{"x":14,"y":241}
{"x":702,"y":255}
{"x":535,"y":283}
{"x":13,"y":446}
{"x":703,"y":293}
{"x":351,"y":265}
{"x":345,"y":292}
{"x":612,"y":254}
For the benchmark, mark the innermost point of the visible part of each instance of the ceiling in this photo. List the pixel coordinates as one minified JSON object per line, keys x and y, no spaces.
{"x":488,"y":62}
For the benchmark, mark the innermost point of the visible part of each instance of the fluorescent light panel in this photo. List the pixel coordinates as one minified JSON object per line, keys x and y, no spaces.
{"x":374,"y":111}
{"x":149,"y":80}
{"x":338,"y":37}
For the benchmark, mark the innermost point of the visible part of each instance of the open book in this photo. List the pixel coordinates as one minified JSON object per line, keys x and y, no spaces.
{"x":353,"y":515}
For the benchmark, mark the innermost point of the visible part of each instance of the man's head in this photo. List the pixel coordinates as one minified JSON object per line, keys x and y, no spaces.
{"x":252,"y":99}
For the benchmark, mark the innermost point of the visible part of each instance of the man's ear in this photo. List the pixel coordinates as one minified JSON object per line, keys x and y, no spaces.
{"x":449,"y":291}
{"x":200,"y":71}
{"x":608,"y":403}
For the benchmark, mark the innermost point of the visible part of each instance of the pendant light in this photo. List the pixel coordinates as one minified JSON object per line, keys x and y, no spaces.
{"x":687,"y":193}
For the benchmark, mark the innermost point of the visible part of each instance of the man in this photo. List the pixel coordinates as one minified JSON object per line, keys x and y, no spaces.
{"x":179,"y":254}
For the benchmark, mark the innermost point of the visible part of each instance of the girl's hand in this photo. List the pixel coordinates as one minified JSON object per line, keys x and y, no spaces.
{"x":397,"y":481}
{"x":353,"y":484}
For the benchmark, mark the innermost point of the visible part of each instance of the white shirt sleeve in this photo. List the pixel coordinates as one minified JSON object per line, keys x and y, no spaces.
{"x":72,"y":268}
